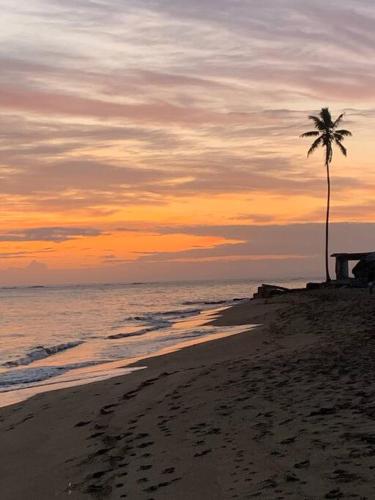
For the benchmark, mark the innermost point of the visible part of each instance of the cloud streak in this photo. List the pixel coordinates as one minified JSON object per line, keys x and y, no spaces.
{"x":54,"y":234}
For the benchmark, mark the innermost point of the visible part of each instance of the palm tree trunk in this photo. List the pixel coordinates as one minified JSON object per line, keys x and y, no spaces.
{"x":328,"y":277}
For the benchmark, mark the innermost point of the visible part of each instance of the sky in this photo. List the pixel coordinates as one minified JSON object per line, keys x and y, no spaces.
{"x":146,"y":140}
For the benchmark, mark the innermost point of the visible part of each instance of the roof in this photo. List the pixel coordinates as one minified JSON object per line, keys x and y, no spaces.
{"x":353,"y":256}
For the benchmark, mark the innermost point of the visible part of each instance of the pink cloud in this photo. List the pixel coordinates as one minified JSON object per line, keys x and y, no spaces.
{"x":63,"y":104}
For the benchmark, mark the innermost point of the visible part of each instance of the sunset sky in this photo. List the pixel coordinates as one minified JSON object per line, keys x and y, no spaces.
{"x":159,"y":139}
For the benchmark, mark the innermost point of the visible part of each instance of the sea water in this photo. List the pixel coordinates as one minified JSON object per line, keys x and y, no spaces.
{"x":51,"y":337}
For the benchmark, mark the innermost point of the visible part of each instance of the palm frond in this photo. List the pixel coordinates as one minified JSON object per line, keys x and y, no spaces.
{"x":315,"y":145}
{"x":319,"y":124}
{"x":326,"y":117}
{"x":343,"y":132}
{"x":313,"y":133}
{"x":341,"y":147}
{"x":338,"y":121}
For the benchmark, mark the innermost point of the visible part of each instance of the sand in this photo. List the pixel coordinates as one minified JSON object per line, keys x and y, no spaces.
{"x":283,"y":411}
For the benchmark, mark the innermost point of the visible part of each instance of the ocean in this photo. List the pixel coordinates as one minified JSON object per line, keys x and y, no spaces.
{"x":53,"y":337}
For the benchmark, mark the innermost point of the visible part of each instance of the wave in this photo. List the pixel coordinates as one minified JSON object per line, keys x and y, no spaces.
{"x":189,"y":335}
{"x":212,"y":302}
{"x":33,"y":375}
{"x":159,"y":326}
{"x":29,"y":375}
{"x":154,"y":321}
{"x":173,"y":314}
{"x":206,"y":302}
{"x":41,"y":352}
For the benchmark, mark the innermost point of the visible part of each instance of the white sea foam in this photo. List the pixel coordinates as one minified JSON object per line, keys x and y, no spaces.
{"x":22,"y":376}
{"x":40,"y":352}
{"x":152,"y":322}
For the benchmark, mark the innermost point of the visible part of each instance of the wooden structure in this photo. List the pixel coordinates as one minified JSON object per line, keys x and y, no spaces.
{"x":363,"y":271}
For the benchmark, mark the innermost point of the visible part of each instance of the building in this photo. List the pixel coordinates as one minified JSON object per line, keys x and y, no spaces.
{"x":363,"y":271}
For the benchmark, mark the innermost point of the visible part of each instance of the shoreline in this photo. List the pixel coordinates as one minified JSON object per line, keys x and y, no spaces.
{"x":124,"y":366}
{"x":283,"y":411}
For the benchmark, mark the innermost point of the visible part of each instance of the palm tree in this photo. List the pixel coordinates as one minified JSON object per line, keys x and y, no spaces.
{"x":327,"y":135}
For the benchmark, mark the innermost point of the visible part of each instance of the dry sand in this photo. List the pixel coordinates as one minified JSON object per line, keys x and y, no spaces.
{"x":283,"y":411}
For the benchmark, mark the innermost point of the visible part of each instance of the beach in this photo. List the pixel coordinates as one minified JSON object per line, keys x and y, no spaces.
{"x":283,"y":410}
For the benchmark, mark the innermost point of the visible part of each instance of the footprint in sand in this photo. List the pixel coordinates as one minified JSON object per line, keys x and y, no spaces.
{"x":83,"y":423}
{"x":204,"y":452}
{"x":169,"y":470}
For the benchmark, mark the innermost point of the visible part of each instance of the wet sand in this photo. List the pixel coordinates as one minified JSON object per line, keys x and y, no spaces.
{"x":283,"y":411}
